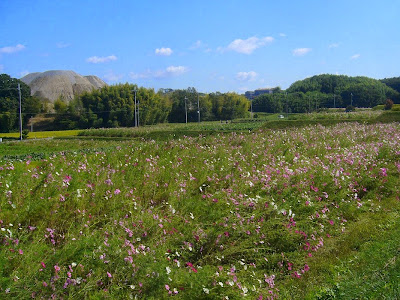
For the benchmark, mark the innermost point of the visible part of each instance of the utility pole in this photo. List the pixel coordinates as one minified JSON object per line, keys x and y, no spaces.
{"x":198,"y":106}
{"x":20,"y":112}
{"x":138,"y":117}
{"x":287,"y":107}
{"x":186,"y":109}
{"x":135,"y":115}
{"x":334,"y":101}
{"x":251,"y":108}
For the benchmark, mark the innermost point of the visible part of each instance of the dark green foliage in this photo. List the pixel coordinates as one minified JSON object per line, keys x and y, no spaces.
{"x":9,"y":103}
{"x":361,"y":91}
{"x":25,"y":133}
{"x":214,"y":106}
{"x":394,"y":83}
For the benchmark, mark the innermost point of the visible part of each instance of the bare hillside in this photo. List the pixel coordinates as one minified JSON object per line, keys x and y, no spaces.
{"x":52,"y":85}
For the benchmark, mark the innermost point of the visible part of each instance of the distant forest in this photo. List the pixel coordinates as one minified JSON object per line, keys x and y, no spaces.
{"x":329,"y":91}
{"x":114,"y":106}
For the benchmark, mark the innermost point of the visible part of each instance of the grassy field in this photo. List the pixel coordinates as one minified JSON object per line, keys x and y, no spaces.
{"x":306,"y":213}
{"x":41,"y":134}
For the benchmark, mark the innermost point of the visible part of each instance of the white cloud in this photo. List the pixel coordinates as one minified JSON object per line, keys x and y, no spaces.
{"x":249,"y":45}
{"x":170,"y":71}
{"x":334,"y":45}
{"x":179,"y":70}
{"x":282,"y":35}
{"x":355,"y":56}
{"x":1,"y":68}
{"x":301,"y":51}
{"x":110,"y":76}
{"x":104,"y":59}
{"x":163,"y":51}
{"x":12,"y":49}
{"x":62,"y":45}
{"x":246,"y":76}
{"x":198,"y":44}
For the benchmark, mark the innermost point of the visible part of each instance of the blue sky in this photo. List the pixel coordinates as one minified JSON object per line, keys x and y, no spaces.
{"x":212,"y":45}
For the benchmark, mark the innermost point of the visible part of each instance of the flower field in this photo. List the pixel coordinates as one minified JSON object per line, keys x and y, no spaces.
{"x":263,"y":214}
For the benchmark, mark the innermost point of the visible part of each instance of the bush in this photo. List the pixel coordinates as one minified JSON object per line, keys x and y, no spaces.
{"x":388,"y":104}
{"x":25,"y":133}
{"x":350,"y":108}
{"x":395,"y":107}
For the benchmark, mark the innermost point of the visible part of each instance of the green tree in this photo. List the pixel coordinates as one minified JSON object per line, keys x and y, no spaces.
{"x":9,"y":103}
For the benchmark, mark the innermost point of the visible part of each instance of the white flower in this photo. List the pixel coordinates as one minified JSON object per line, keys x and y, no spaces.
{"x":207,"y":291}
{"x":168,"y":270}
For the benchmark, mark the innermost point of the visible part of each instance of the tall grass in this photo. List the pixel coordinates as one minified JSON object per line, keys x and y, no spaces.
{"x":257,"y":214}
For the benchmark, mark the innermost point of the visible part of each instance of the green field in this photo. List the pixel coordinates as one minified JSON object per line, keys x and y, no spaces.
{"x":216,"y":211}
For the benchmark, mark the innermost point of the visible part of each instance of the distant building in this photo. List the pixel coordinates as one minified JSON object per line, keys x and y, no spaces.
{"x":252,"y":94}
{"x":166,"y":91}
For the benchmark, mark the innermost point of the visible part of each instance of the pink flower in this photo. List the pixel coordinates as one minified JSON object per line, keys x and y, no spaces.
{"x":20,"y":251}
{"x":109,"y":274}
{"x":167,"y":287}
{"x":117,"y":191}
{"x":43,"y":265}
{"x":44,"y":283}
{"x":57,"y":268}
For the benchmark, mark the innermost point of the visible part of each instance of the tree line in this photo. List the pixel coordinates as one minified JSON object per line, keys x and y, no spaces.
{"x":327,"y":91}
{"x":9,"y":103}
{"x":114,"y":106}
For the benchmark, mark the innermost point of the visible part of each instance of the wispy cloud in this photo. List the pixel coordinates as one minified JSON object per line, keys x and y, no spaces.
{"x":247,"y":46}
{"x":12,"y":49}
{"x":282,"y":35}
{"x":110,"y":76}
{"x":62,"y":45}
{"x":246,"y":76}
{"x":1,"y":68}
{"x":301,"y":51}
{"x":355,"y":56}
{"x":333,"y":45}
{"x":104,"y":59}
{"x":198,"y":44}
{"x":163,"y":51}
{"x":170,"y":71}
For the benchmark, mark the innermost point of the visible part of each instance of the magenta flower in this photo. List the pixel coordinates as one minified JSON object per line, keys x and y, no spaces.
{"x":109,"y":275}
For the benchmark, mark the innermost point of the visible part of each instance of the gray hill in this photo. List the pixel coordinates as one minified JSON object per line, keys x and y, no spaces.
{"x":52,"y":85}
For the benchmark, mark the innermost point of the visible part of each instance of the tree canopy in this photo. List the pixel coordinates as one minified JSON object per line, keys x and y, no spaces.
{"x":394,"y":83}
{"x":9,"y":103}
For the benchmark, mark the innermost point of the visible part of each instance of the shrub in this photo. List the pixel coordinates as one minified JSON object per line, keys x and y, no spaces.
{"x":388,"y":104}
{"x":25,"y":133}
{"x":350,"y":108}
